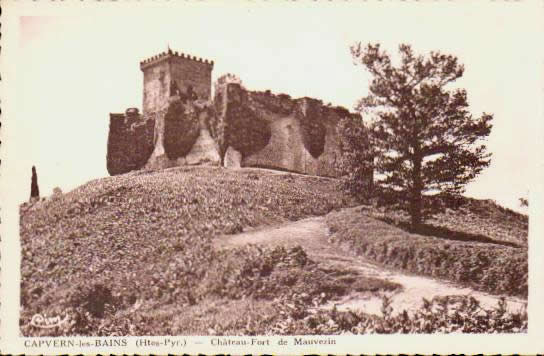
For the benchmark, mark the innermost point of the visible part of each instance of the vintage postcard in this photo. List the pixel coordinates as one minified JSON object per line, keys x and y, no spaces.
{"x":280,"y":177}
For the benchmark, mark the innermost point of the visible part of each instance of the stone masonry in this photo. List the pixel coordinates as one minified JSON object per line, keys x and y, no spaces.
{"x":170,"y":71}
{"x":182,"y":124}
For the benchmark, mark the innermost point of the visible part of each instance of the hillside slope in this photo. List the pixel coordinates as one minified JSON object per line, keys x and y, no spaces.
{"x":483,"y":263}
{"x":145,"y":236}
{"x":472,"y":219}
{"x":133,"y":254}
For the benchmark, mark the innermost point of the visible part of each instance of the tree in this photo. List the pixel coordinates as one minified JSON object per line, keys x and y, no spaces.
{"x":422,"y":135}
{"x":34,"y":189}
{"x":355,"y":163}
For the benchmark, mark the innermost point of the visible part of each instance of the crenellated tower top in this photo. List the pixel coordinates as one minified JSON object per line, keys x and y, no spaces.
{"x":169,"y":70}
{"x":172,"y":54}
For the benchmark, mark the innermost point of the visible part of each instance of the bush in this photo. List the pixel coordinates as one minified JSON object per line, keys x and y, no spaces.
{"x":440,"y":315}
{"x":266,"y":273}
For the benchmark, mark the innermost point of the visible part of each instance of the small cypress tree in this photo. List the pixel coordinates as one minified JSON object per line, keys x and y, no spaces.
{"x":34,"y":189}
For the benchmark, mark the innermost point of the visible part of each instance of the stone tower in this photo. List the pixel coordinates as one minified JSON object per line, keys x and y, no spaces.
{"x":168,"y":77}
{"x":172,"y":71}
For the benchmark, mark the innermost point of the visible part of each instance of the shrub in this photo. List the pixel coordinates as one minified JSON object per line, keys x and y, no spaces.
{"x":92,"y":299}
{"x":439,"y":315}
{"x":266,"y":273}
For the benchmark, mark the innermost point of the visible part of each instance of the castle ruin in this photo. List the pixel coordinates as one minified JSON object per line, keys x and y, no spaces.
{"x":181,"y":124}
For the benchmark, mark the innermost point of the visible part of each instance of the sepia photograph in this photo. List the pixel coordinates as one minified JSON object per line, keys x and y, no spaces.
{"x":313,"y":170}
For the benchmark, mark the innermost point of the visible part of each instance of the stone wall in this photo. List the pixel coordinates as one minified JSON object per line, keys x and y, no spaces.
{"x":130,"y":142}
{"x":238,"y":128}
{"x":303,"y":137}
{"x":156,"y":87}
{"x":197,"y":74}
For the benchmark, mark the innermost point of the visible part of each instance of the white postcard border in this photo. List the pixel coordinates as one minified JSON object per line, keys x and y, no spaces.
{"x":12,"y":342}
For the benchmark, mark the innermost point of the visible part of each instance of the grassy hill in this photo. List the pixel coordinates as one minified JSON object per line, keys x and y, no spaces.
{"x":496,"y":264}
{"x":132,"y":254}
{"x":144,"y":239}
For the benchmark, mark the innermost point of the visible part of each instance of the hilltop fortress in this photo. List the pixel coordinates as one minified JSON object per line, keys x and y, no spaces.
{"x":181,"y":124}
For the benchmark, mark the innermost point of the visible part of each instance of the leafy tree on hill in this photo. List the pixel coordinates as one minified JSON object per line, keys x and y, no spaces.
{"x":422,"y":135}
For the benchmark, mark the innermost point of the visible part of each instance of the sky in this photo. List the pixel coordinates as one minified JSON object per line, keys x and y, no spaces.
{"x":73,"y":69}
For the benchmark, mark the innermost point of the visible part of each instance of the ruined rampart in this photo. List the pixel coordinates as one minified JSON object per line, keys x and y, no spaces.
{"x":276,"y":131}
{"x":181,"y":125}
{"x":239,"y":128}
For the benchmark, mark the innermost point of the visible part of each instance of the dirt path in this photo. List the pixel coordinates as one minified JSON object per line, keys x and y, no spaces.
{"x":312,"y":235}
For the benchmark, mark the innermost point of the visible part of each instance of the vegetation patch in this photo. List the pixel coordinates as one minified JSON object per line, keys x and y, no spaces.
{"x":461,"y":314}
{"x":245,"y":131}
{"x":313,"y":128}
{"x":181,"y":130}
{"x":237,"y":122}
{"x":465,"y":218}
{"x":356,"y":161}
{"x":90,"y":257}
{"x":488,"y":266}
{"x":266,"y":273}
{"x":281,"y":104}
{"x":130,"y":143}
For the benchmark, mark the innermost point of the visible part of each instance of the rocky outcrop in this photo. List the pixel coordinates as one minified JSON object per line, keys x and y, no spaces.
{"x":130,"y":142}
